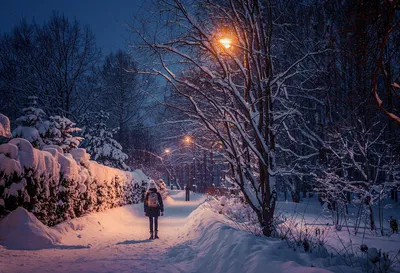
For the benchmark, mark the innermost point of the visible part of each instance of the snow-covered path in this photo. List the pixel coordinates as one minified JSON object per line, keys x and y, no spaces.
{"x":111,"y":241}
{"x":116,"y":241}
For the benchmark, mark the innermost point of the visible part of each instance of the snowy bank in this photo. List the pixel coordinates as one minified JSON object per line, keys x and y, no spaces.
{"x":216,"y":246}
{"x":22,"y":230}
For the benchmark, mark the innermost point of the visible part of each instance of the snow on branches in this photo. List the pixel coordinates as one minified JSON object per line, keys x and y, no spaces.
{"x":99,"y":141}
{"x":241,"y":94}
{"x":41,"y":130}
{"x":56,"y":186}
{"x":60,"y":133}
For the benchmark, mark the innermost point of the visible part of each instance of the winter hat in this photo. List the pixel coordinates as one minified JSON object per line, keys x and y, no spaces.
{"x":152,"y":185}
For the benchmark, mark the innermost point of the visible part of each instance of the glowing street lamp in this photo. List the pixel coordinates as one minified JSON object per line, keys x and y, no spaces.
{"x":226,"y":42}
{"x":167,"y":150}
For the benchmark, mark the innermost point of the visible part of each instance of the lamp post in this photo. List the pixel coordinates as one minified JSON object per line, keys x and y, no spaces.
{"x":167,"y":152}
{"x":189,"y":141}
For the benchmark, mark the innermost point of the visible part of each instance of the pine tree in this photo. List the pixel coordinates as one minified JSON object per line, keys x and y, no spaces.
{"x":30,"y":123}
{"x":60,"y":132}
{"x":99,"y":141}
{"x":40,"y":130}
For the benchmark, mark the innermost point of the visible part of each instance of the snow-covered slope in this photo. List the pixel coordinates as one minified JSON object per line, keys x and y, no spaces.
{"x":215,"y":246}
{"x":22,"y":230}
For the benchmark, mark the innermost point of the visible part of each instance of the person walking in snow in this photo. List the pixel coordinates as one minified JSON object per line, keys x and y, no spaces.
{"x":187,"y":189}
{"x":153,"y":208}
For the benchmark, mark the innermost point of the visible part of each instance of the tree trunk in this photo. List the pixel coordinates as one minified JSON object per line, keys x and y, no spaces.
{"x":205,"y":172}
{"x":371,"y":217}
{"x":211,"y":168}
{"x":296,"y":196}
{"x":267,"y":223}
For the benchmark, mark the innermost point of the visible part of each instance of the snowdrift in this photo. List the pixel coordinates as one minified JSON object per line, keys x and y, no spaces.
{"x":22,"y":230}
{"x":221,"y":248}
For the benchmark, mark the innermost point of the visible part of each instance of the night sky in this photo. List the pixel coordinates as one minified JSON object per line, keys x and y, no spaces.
{"x":106,"y":18}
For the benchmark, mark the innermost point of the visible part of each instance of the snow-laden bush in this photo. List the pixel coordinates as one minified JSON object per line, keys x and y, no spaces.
{"x":56,"y":186}
{"x":162,"y":188}
{"x":140,"y":188}
{"x":236,"y":209}
{"x":290,"y":228}
{"x":30,"y":123}
{"x":364,"y":258}
{"x":59,"y":132}
{"x":41,"y":130}
{"x":100,"y":143}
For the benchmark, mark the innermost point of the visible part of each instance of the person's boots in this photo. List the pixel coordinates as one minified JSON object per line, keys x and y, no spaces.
{"x":156,"y":235}
{"x":151,"y":235}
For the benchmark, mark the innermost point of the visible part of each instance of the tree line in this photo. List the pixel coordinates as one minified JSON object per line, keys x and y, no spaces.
{"x":60,"y":64}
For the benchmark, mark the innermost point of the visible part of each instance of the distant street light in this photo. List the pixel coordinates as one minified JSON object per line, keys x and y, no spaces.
{"x":167,"y":150}
{"x":226,"y":42}
{"x":188,"y":139}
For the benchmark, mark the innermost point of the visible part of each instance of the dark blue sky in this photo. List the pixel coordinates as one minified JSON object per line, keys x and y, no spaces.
{"x":105,"y":17}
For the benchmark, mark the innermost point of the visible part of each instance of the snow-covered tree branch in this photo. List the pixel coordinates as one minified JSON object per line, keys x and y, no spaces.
{"x":238,"y":93}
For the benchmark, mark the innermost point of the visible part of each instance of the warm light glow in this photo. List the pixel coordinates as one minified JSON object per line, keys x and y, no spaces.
{"x":226,"y":42}
{"x":188,"y":139}
{"x":167,"y":150}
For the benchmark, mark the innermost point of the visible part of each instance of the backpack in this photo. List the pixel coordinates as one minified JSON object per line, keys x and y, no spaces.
{"x":152,"y":202}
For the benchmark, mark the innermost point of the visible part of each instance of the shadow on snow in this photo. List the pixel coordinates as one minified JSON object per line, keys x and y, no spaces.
{"x":133,"y":242}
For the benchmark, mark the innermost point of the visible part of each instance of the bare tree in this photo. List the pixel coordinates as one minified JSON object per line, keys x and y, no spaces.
{"x":357,"y":166}
{"x":226,"y":50}
{"x":122,"y":96}
{"x":53,"y":62}
{"x":387,"y":24}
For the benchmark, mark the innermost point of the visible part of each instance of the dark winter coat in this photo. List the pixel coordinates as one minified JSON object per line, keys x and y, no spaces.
{"x":153,"y":212}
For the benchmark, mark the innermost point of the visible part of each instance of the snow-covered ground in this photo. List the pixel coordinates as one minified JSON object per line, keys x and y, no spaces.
{"x":310,"y":215}
{"x":110,"y":241}
{"x":193,"y":239}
